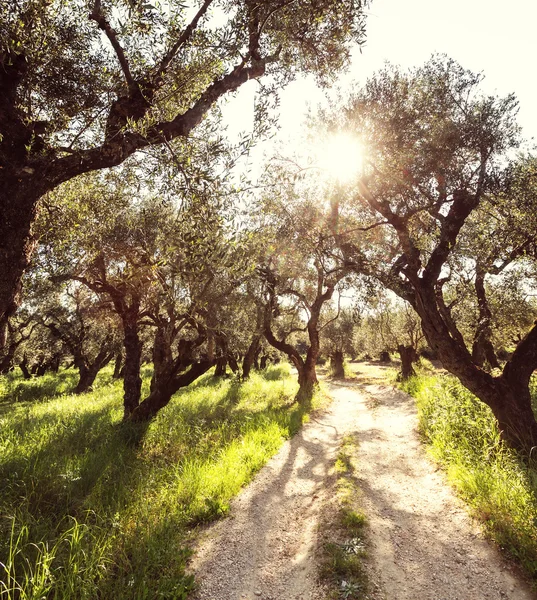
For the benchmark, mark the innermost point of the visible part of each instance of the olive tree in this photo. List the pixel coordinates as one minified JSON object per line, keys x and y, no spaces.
{"x":436,"y":150}
{"x":302,"y":268}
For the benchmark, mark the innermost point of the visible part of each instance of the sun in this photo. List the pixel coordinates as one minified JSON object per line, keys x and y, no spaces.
{"x":342,"y":156}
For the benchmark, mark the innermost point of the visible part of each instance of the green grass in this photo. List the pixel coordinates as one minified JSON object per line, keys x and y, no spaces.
{"x":93,"y":508}
{"x":342,"y":568}
{"x":464,"y":439}
{"x":14,"y":388}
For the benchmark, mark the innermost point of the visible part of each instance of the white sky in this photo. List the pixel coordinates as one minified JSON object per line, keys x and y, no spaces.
{"x":498,"y":38}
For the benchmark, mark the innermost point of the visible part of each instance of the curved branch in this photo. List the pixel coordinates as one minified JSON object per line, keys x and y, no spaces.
{"x":96,"y":15}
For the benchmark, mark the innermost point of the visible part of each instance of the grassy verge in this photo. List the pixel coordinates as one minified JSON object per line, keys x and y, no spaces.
{"x":92,"y":508}
{"x":463,"y":438}
{"x":343,"y":549}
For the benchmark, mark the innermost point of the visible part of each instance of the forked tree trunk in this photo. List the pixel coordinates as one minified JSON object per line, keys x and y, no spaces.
{"x":337,"y":364}
{"x":307,"y":376}
{"x":408,"y":356}
{"x":89,"y":371}
{"x":166,"y":388}
{"x":85,"y":380}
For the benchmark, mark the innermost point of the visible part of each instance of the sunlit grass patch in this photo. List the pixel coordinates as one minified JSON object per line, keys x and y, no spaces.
{"x":112,"y":505}
{"x":464,"y":438}
{"x":14,"y":388}
{"x":341,"y":559}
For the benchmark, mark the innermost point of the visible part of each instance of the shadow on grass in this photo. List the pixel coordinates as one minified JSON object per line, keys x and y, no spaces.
{"x":89,"y":465}
{"x":14,"y":388}
{"x":61,"y":459}
{"x":17,"y":389}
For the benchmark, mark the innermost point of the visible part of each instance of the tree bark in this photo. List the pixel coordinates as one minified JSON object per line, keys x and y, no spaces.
{"x":249,"y":357}
{"x":41,"y":369}
{"x":132,"y":382}
{"x":118,"y":365}
{"x":508,"y":395}
{"x":408,"y":356}
{"x":483,"y":352}
{"x":18,"y":201}
{"x":336,"y":364}
{"x":221,"y":364}
{"x":6,"y":363}
{"x":232,"y":362}
{"x":165,"y":389}
{"x":23,"y":365}
{"x":55,"y":363}
{"x":308,"y":382}
{"x":89,"y":371}
{"x":385,"y":357}
{"x":162,"y":353}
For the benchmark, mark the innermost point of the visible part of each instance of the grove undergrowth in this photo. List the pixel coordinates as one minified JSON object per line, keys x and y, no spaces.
{"x":463,"y":437}
{"x":95,"y":508}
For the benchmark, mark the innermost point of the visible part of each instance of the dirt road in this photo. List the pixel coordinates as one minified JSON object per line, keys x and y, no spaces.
{"x":423,"y":545}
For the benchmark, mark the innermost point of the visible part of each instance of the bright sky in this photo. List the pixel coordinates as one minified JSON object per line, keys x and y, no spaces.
{"x":498,"y":38}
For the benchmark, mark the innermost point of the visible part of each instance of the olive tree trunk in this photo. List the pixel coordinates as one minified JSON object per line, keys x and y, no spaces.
{"x":337,"y":364}
{"x":408,"y":356}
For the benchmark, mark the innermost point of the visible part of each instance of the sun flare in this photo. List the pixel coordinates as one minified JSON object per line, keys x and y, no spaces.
{"x":342,"y":156}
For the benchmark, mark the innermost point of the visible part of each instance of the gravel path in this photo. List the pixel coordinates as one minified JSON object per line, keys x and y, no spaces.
{"x":423,"y":545}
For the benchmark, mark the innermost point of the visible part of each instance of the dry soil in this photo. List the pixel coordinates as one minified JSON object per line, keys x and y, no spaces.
{"x":422,"y":543}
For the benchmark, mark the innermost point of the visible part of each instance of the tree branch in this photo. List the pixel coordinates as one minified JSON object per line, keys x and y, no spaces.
{"x":123,"y":144}
{"x":96,"y":15}
{"x":182,"y":40}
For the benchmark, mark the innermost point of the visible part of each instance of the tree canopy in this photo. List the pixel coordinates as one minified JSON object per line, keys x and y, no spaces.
{"x":84,"y":85}
{"x":438,"y":151}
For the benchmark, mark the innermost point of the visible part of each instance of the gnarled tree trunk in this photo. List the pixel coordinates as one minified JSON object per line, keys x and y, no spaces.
{"x":249,"y":357}
{"x":307,"y":381}
{"x":508,"y":395}
{"x":408,"y":356}
{"x":166,"y":388}
{"x":337,"y":364}
{"x":162,"y":352}
{"x":89,"y":370}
